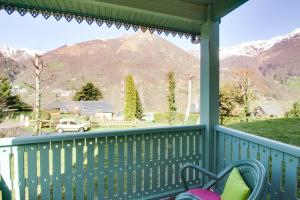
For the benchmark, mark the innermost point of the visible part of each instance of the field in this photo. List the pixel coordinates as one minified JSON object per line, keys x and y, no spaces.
{"x":280,"y":129}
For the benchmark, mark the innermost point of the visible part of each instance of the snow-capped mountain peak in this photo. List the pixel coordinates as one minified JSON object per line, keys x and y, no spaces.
{"x":253,"y":48}
{"x":18,"y":54}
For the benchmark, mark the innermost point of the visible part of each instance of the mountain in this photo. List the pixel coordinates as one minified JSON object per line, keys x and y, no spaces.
{"x":273,"y":65}
{"x":18,"y":54}
{"x":9,"y":67}
{"x":148,"y":58}
{"x":255,"y":48}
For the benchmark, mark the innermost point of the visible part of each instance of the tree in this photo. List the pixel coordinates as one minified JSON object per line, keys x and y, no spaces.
{"x":171,"y":115}
{"x":88,"y":92}
{"x":8,"y":101}
{"x":39,"y":66}
{"x":130,"y":99}
{"x":227,"y":102}
{"x":139,"y":112}
{"x":189,"y":99}
{"x":294,"y":112}
{"x":244,"y":86}
{"x":5,"y":94}
{"x":39,"y":88}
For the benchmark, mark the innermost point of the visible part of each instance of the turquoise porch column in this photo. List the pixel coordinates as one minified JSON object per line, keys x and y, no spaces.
{"x":209,"y":86}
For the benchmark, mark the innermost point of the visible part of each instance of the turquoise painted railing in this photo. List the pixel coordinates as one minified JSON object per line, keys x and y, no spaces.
{"x":281,"y":161}
{"x":128,"y":164}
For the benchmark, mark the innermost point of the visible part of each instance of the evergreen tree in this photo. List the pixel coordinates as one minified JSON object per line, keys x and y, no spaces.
{"x":171,"y":115}
{"x":88,"y":92}
{"x":8,"y":100}
{"x":5,"y":94}
{"x":130,"y":99}
{"x":139,"y":113}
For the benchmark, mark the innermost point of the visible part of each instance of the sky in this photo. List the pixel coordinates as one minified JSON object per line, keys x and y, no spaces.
{"x":255,"y":20}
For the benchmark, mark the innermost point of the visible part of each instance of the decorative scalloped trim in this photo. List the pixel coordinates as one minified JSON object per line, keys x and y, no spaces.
{"x":91,"y":20}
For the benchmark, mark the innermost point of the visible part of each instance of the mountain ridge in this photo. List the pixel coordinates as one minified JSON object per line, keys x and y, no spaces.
{"x":273,"y":64}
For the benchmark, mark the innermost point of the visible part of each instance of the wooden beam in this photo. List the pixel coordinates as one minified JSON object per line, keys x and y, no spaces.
{"x":223,"y":7}
{"x":209,"y":87}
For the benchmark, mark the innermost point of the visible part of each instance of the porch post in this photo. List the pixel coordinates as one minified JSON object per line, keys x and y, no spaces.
{"x":209,"y":86}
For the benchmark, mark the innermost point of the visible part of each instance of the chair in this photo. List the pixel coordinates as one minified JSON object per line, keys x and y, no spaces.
{"x":252,"y":171}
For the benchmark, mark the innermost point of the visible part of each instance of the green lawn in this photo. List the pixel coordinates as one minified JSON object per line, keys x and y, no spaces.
{"x":280,"y":129}
{"x":292,"y":83}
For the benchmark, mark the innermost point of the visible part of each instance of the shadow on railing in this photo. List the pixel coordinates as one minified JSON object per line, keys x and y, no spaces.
{"x":127,"y":164}
{"x":282,"y":161}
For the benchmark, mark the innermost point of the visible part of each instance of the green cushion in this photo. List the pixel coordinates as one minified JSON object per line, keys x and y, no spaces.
{"x":235,"y":187}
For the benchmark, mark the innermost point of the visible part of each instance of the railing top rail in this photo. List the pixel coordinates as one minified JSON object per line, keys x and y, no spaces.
{"x":286,"y":148}
{"x":75,"y":136}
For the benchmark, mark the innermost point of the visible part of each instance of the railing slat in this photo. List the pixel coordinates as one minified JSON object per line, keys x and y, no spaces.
{"x":235,"y":149}
{"x":111,"y":166}
{"x":138,"y":166}
{"x":79,"y":174}
{"x":244,"y":149}
{"x":19,"y":173}
{"x":228,"y":150}
{"x":162,"y":162}
{"x":177,"y":147}
{"x":101,"y":164}
{"x":68,"y":172}
{"x":190,"y":158}
{"x":221,"y":152}
{"x":121,"y":166}
{"x":44,"y":168}
{"x":155,"y":158}
{"x":253,"y":150}
{"x":290,"y":187}
{"x":184,"y":148}
{"x":147,"y":166}
{"x":32,"y":171}
{"x":198,"y":153}
{"x":56,"y":176}
{"x":90,"y":143}
{"x":129,"y":167}
{"x":264,"y":155}
{"x":170,"y":157}
{"x":277,"y":158}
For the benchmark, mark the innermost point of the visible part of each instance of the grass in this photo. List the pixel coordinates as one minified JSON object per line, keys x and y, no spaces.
{"x":292,"y":83}
{"x":281,"y":129}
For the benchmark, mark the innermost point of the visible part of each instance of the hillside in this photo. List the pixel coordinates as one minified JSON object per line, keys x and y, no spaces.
{"x":273,"y":65}
{"x":107,"y":62}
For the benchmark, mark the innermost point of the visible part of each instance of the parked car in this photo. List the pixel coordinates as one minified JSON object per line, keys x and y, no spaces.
{"x":71,"y":125}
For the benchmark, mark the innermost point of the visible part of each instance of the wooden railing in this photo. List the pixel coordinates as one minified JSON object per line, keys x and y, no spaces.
{"x":129,"y":164}
{"x":281,"y":161}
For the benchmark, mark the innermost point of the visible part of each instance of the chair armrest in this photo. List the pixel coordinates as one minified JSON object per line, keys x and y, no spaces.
{"x":197,"y":168}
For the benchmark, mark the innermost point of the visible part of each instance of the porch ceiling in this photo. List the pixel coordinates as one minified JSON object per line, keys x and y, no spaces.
{"x":185,"y":16}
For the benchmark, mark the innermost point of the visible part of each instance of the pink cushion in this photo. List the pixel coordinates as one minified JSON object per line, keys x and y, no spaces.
{"x":205,"y":194}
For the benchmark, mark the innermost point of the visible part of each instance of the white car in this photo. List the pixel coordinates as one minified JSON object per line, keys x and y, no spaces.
{"x":71,"y":125}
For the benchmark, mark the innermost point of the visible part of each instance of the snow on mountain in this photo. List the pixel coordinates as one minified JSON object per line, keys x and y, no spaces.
{"x":18,"y":54}
{"x":253,"y":48}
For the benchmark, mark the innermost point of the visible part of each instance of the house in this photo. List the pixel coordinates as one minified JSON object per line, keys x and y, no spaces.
{"x":100,"y":109}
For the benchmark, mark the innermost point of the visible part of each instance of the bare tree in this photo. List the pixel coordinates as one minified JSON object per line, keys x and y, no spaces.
{"x":189,"y":99}
{"x":245,"y":85}
{"x":39,"y":68}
